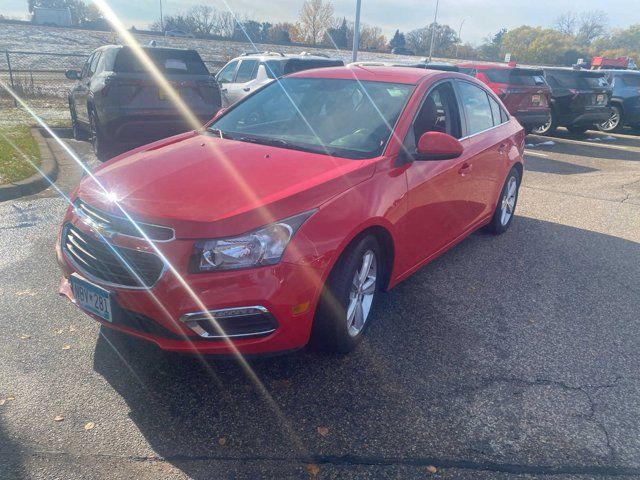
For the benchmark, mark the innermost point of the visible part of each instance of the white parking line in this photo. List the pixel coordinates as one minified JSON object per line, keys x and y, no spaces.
{"x":591,"y":144}
{"x":535,"y":154}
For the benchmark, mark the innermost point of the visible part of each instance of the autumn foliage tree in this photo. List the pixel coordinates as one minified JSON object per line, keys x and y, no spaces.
{"x":315,"y":18}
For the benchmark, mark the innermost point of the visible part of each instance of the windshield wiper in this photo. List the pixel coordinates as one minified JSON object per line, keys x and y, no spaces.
{"x":219,"y":133}
{"x":276,"y":142}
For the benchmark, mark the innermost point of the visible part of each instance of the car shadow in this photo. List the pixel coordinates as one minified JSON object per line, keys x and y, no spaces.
{"x":11,"y":458}
{"x":524,"y":304}
{"x":548,"y":165}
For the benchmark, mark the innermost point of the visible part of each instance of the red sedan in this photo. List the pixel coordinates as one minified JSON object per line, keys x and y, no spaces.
{"x":284,"y":218}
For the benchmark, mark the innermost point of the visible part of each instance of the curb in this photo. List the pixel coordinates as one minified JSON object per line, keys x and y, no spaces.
{"x":38,"y":181}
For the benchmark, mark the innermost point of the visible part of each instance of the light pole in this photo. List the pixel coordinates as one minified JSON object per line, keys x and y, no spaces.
{"x":356,"y":33}
{"x":459,"y":39}
{"x":161,"y":21}
{"x":433,"y":30}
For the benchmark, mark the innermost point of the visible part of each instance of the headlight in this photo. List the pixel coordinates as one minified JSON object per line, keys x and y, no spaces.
{"x":264,"y":246}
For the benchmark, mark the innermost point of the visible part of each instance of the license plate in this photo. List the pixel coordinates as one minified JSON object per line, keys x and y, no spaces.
{"x":600,"y":99}
{"x":535,"y":99}
{"x":91,"y":298}
{"x":162,"y":95}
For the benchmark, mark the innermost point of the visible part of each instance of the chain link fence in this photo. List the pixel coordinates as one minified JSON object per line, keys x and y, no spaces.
{"x":41,"y":76}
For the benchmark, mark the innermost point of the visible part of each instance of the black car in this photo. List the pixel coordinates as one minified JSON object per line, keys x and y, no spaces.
{"x":120,"y":105}
{"x":424,"y":63}
{"x":579,"y":99}
{"x":402,"y":51}
{"x":625,"y":102}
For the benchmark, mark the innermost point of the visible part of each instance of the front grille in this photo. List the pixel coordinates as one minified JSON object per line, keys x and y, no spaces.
{"x":143,"y":324}
{"x":121,"y":224}
{"x":116,"y":265}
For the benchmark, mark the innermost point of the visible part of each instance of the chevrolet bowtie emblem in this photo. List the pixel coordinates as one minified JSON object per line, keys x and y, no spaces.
{"x":102,"y":230}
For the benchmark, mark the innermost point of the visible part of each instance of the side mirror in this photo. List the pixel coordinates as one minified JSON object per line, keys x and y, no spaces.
{"x":438,"y":146}
{"x":72,"y":74}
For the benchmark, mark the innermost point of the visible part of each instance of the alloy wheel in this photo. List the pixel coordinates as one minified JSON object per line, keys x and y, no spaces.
{"x":363,"y":288}
{"x":542,"y":129}
{"x":509,"y":201}
{"x":613,"y":121}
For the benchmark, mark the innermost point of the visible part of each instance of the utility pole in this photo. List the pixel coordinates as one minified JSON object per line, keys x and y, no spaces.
{"x":161,"y":21}
{"x":433,"y":31}
{"x":459,"y":39}
{"x":356,"y":33}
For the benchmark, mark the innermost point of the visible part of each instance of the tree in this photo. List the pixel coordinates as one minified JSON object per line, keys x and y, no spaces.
{"x":315,"y":18}
{"x":445,"y":39}
{"x":490,"y":49}
{"x":398,"y":40}
{"x":338,"y":36}
{"x":203,"y":19}
{"x":536,"y":45}
{"x":279,"y":33}
{"x":592,"y":25}
{"x":567,"y":23}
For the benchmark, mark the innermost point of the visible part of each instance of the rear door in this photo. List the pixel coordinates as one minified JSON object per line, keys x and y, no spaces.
{"x":245,"y":74}
{"x":81,"y":90}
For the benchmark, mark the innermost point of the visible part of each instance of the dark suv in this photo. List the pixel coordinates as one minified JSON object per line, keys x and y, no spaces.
{"x":119,"y":103}
{"x":625,"y":102}
{"x":579,"y":99}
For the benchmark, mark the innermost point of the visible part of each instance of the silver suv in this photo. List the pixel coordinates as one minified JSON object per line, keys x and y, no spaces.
{"x":118,"y":103}
{"x":250,"y":71}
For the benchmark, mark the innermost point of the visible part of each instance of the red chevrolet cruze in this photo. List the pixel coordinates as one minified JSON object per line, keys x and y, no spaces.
{"x":284,"y":217}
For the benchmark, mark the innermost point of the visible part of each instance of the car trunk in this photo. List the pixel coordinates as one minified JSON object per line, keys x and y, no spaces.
{"x":579,"y":90}
{"x":520,"y":89}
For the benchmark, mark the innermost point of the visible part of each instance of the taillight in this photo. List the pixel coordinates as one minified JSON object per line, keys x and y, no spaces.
{"x":113,"y":81}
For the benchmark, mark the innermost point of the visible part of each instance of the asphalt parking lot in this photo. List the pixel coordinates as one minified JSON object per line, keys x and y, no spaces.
{"x":509,"y":357}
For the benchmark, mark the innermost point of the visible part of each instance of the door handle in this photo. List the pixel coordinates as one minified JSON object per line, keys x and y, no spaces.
{"x":465,"y":169}
{"x":246,"y":89}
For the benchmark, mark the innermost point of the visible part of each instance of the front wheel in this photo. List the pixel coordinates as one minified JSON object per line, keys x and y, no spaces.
{"x":97,"y":139}
{"x":615,"y":123}
{"x":506,"y":207}
{"x":348,"y":297}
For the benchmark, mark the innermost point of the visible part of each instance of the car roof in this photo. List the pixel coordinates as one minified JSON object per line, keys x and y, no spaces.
{"x":145,"y":47}
{"x":282,"y":57}
{"x":407,"y":75}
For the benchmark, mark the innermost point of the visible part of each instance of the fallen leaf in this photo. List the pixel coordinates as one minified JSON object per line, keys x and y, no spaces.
{"x":22,"y":293}
{"x":58,"y":332}
{"x":313,"y":469}
{"x":72,"y":328}
{"x":2,"y":401}
{"x":25,"y":337}
{"x":432,"y":469}
{"x":323,"y":431}
{"x":58,"y":418}
{"x":283,"y":384}
{"x":10,"y":398}
{"x":222,"y":441}
{"x":66,"y":347}
{"x":89,"y":425}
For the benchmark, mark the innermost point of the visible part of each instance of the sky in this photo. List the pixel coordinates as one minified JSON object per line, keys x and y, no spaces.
{"x":481,"y":17}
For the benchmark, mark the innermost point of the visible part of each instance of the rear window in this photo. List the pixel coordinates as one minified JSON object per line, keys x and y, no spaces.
{"x":570,"y":79}
{"x":170,"y":62}
{"x":516,"y":76}
{"x":631,"y":80}
{"x":278,"y":68}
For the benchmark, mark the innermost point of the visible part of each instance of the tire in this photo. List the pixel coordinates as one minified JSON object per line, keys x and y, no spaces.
{"x":548,"y":128}
{"x":97,"y":139}
{"x":336,"y":327}
{"x":615,"y":122}
{"x":77,"y":132}
{"x":506,"y":206}
{"x":577,"y":129}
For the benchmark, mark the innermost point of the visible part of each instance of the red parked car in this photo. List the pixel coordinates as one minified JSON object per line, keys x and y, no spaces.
{"x":286,"y":216}
{"x":523,"y":91}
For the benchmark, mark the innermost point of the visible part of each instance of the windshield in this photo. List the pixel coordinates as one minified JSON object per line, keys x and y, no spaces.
{"x":576,"y":79}
{"x":516,"y":76}
{"x":278,"y":68}
{"x":345,"y":118}
{"x":168,"y":61}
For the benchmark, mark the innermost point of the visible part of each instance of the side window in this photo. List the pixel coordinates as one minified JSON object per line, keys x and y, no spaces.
{"x":246,"y":71}
{"x":227,"y":73}
{"x":475,"y":102}
{"x":93,"y":68}
{"x":438,"y":113}
{"x":495,"y":111}
{"x":85,"y":68}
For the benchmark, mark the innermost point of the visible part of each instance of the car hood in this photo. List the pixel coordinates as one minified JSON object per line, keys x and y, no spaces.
{"x":205,"y":186}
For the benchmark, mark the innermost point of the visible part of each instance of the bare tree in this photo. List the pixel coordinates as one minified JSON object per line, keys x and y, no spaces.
{"x":225,"y":24}
{"x":315,"y":18}
{"x":567,"y":23}
{"x":593,"y":24}
{"x":203,"y":18}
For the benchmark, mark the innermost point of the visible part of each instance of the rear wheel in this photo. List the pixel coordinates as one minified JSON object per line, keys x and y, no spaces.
{"x":506,"y":207}
{"x":548,"y":128}
{"x":577,"y":129}
{"x":77,"y":131}
{"x":348,"y":297}
{"x":615,"y":123}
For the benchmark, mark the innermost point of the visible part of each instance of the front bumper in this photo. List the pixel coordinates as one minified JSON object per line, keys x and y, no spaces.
{"x":287,"y":291}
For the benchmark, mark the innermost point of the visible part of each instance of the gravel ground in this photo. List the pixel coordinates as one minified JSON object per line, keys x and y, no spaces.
{"x":508,"y":357}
